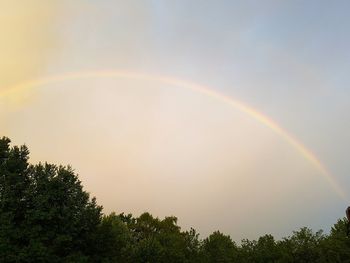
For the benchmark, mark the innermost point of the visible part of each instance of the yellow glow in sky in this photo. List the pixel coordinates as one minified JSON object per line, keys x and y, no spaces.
{"x":26,"y":38}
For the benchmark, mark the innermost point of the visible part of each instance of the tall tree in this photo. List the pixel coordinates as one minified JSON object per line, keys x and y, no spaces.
{"x":157,"y":240}
{"x":302,"y":246}
{"x":45,"y":215}
{"x":219,"y":248}
{"x":336,"y":246}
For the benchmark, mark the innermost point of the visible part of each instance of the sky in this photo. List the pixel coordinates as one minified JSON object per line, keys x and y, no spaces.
{"x":145,"y":140}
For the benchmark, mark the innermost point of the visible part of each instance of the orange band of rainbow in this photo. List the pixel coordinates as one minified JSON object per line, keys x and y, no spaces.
{"x":302,"y":149}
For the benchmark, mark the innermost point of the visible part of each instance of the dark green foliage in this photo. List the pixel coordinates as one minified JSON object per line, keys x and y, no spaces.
{"x":157,"y":240}
{"x":193,"y":245}
{"x":114,"y":240}
{"x":336,"y":246}
{"x":219,"y":248}
{"x":304,"y":245}
{"x":46,"y":216}
{"x":263,"y":250}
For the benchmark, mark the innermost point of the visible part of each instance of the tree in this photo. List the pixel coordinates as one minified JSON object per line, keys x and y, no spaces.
{"x":336,"y":246}
{"x":113,"y":240}
{"x":302,"y":246}
{"x":14,"y":182}
{"x":266,"y":249}
{"x":45,"y":216}
{"x":219,"y":248}
{"x":192,"y":245}
{"x":157,"y":240}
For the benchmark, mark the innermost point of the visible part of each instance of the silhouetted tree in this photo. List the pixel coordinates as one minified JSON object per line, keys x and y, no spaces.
{"x":302,"y":246}
{"x":45,"y":216}
{"x":114,"y":241}
{"x":157,"y":240}
{"x":336,"y":246}
{"x":219,"y":248}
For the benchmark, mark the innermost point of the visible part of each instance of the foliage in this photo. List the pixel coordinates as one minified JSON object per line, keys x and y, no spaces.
{"x":219,"y":248}
{"x":46,"y":216}
{"x":336,"y":246}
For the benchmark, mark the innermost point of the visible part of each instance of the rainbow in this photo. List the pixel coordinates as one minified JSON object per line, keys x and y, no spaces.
{"x":242,"y":107}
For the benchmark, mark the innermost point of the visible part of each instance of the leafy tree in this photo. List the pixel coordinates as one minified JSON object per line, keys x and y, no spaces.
{"x":45,"y":216}
{"x":302,"y":246}
{"x":192,"y":245}
{"x":266,"y":250}
{"x":14,"y":184}
{"x":114,"y":240}
{"x":336,"y":246}
{"x":247,"y":250}
{"x":219,"y":248}
{"x":157,"y":240}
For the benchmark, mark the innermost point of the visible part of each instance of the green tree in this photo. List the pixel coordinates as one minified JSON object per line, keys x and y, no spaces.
{"x":302,"y":246}
{"x":336,"y":247}
{"x":45,"y":216}
{"x":192,"y":245}
{"x":247,"y":251}
{"x":266,"y":250}
{"x":157,"y":240}
{"x":262,"y":251}
{"x":113,"y":240}
{"x":14,"y":184}
{"x":219,"y":248}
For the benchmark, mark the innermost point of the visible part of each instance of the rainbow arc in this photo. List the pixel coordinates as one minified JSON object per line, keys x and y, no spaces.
{"x":240,"y":106}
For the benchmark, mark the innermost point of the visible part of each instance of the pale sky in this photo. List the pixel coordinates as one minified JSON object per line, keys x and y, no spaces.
{"x":144,"y":144}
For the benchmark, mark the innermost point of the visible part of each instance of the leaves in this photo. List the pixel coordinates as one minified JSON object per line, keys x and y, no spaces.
{"x":44,"y":215}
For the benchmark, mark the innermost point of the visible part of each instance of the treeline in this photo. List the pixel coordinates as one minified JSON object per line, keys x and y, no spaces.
{"x":46,"y":216}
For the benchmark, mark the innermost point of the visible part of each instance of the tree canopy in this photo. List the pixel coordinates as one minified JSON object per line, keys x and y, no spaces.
{"x":46,"y":216}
